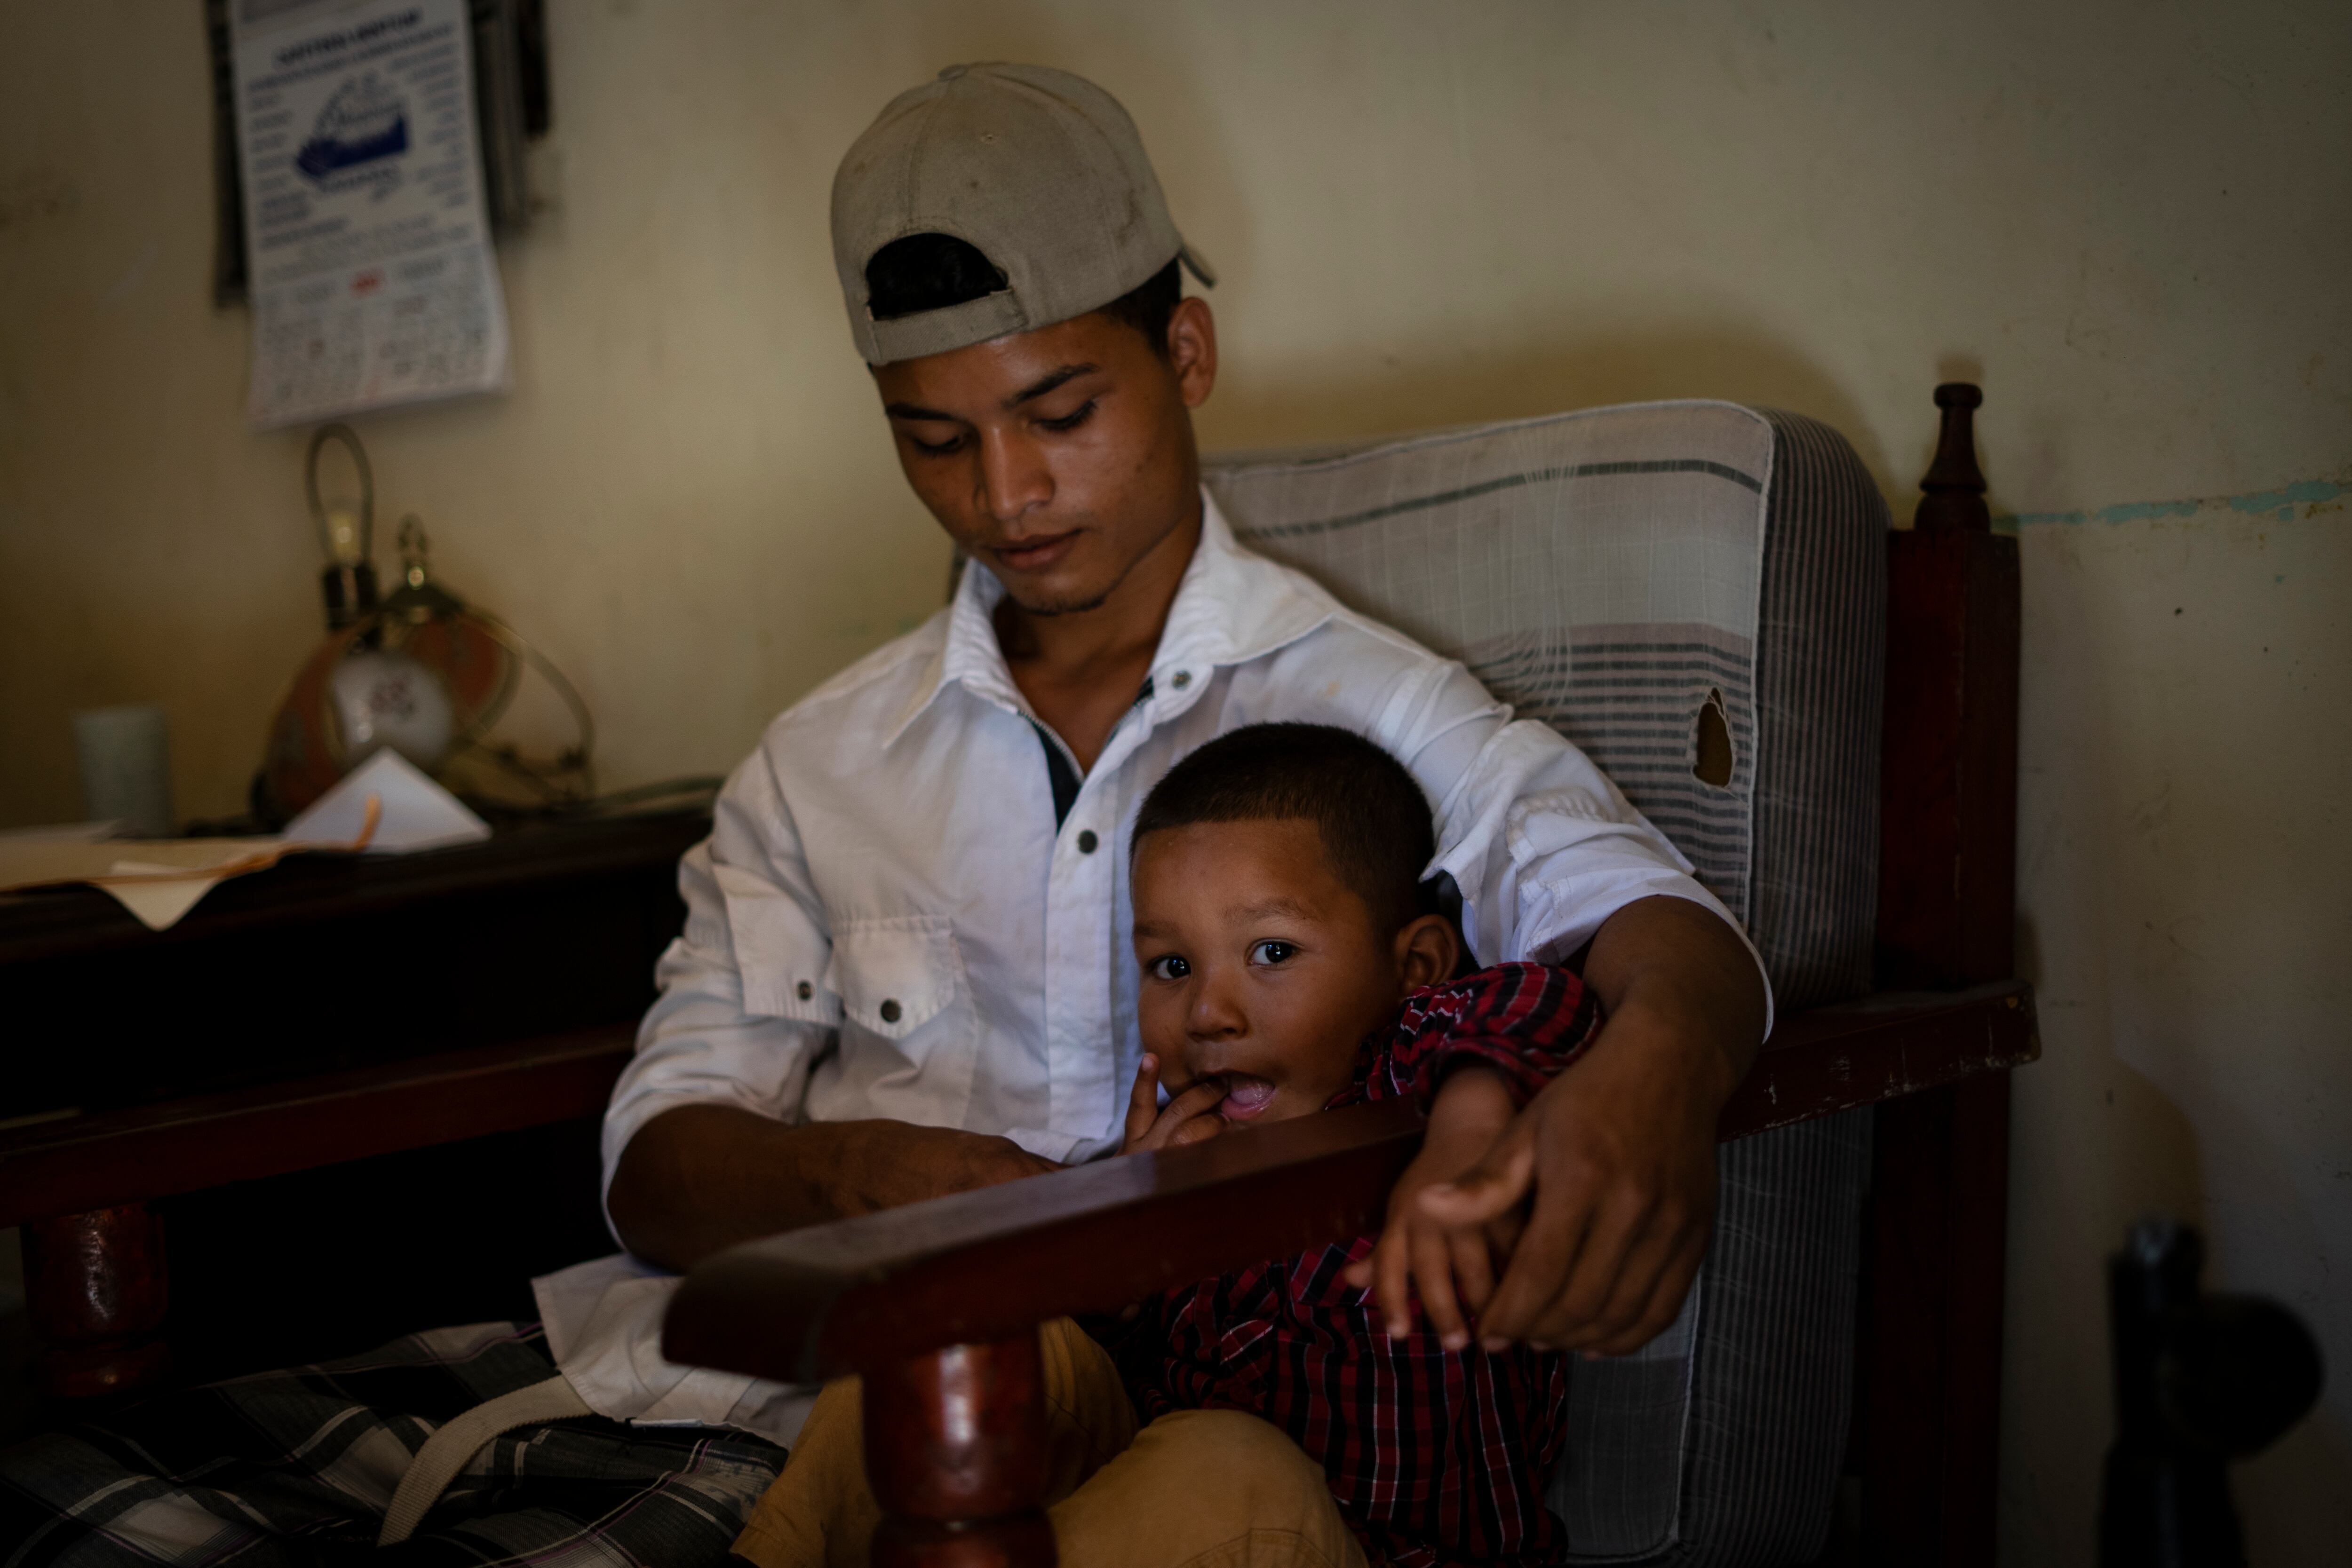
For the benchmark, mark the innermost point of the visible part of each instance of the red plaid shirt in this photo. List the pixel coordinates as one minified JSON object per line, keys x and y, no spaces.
{"x":1436,"y":1456}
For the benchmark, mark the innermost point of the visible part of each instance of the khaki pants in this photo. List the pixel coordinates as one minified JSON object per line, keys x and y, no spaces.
{"x":1198,"y":1489}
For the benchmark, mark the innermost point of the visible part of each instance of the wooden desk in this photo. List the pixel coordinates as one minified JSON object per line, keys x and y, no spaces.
{"x":333,"y":1083}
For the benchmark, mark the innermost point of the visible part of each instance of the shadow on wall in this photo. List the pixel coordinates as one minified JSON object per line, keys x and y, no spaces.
{"x":2274,"y":1491}
{"x":2154,"y":1158}
{"x":2152,"y":1163}
{"x":1261,"y":403}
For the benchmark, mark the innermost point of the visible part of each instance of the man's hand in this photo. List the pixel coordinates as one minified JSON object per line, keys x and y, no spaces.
{"x":1186,"y":1119}
{"x":702,"y":1177}
{"x":1450,"y":1266}
{"x":1617,"y":1152}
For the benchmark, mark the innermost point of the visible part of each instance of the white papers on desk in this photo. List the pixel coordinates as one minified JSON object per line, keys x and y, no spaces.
{"x":367,"y":243}
{"x":157,"y":879}
{"x":161,"y":895}
{"x":382,"y":806}
{"x":413,"y":811}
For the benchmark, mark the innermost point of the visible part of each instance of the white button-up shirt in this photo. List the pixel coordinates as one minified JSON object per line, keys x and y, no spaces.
{"x":888,"y":920}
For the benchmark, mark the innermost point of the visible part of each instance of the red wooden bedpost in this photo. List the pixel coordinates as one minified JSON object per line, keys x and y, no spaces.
{"x":96,"y":1286}
{"x":1927,"y":1422}
{"x":955,"y":1450}
{"x":1948,"y":868}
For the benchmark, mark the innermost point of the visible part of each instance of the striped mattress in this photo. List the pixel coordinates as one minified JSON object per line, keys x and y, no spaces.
{"x":1694,"y":593}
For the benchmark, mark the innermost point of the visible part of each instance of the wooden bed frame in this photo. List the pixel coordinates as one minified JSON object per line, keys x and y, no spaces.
{"x":936,"y":1305}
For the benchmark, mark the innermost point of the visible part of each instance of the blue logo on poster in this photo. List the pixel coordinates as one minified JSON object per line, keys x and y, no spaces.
{"x":364,"y":122}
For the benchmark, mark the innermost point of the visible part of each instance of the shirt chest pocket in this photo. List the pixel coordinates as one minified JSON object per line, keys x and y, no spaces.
{"x":911,"y":1032}
{"x":895,"y":975}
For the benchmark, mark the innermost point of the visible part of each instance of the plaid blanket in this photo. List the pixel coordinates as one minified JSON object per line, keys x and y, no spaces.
{"x":297,"y":1467}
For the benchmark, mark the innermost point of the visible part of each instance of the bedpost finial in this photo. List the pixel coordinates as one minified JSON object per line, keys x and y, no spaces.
{"x":1955,"y":485}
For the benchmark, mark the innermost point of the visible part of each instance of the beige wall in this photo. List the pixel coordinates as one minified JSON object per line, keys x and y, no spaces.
{"x":2131,"y":221}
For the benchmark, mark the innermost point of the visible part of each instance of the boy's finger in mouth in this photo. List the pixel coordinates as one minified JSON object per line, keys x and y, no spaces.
{"x":1202,"y":1092}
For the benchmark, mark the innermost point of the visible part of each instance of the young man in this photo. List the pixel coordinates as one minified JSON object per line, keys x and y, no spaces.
{"x":898,"y":977}
{"x":901,"y":972}
{"x":1290,"y":962}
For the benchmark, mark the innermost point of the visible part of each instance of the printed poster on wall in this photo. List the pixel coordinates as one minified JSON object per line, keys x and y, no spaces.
{"x":367,"y":242}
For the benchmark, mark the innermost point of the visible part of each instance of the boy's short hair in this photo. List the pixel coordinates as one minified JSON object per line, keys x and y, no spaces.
{"x":1373,"y":820}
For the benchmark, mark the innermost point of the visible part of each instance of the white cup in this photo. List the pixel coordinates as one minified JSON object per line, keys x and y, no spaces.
{"x":126,"y":769}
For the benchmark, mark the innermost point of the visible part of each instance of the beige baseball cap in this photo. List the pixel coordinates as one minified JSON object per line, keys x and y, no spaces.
{"x":1040,"y":171}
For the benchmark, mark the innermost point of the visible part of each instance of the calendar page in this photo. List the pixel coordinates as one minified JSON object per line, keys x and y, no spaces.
{"x":373,"y":279}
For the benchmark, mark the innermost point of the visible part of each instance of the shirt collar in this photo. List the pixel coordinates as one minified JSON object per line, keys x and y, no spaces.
{"x":1232,"y":606}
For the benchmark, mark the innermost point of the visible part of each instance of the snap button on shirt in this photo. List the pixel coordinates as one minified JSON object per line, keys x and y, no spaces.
{"x":1086,"y":842}
{"x":891,"y":1009}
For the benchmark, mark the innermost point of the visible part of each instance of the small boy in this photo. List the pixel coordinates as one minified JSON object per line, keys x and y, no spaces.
{"x":1290,"y":965}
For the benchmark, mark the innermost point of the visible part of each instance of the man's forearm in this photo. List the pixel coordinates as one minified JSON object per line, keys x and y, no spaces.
{"x":1677,"y":966}
{"x":702,"y":1177}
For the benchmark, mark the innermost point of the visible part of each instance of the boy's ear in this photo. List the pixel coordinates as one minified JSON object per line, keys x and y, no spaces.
{"x":1426,"y":952}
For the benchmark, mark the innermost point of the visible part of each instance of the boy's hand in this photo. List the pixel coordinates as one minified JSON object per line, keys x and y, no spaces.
{"x":1186,"y":1119}
{"x":1451,"y":1266}
{"x":1612,"y":1167}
